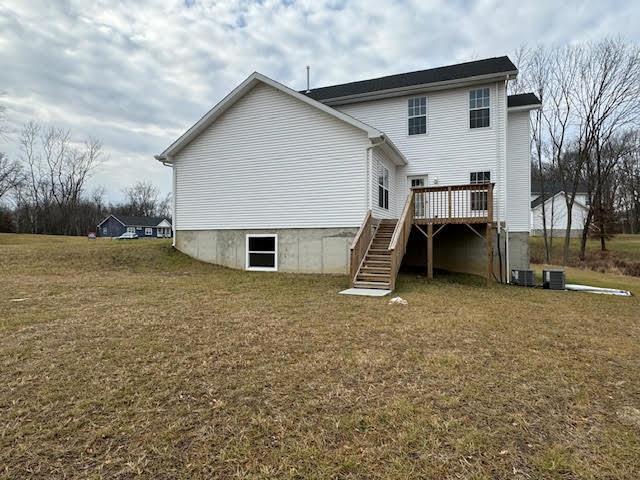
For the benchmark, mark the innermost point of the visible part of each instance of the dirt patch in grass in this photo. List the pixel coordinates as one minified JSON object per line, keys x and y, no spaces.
{"x":129,"y":359}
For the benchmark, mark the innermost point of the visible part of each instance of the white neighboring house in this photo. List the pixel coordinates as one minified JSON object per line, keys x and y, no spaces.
{"x":362,"y":177}
{"x":556,"y":214}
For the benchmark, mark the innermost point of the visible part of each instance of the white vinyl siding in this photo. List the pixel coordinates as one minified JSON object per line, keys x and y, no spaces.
{"x":518,"y":171}
{"x":556,"y":216}
{"x":450,"y":149}
{"x":272,"y":161}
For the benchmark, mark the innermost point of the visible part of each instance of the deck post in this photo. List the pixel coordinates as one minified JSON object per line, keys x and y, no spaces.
{"x":489,"y":251}
{"x":430,"y":251}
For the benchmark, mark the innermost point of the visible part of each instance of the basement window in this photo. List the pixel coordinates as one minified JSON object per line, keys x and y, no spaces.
{"x":479,"y":113}
{"x":417,"y":115}
{"x":262,"y":252}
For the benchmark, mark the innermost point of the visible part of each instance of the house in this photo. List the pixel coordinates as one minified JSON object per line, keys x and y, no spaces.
{"x":424,"y":170}
{"x":152,"y":227}
{"x":554,"y":203}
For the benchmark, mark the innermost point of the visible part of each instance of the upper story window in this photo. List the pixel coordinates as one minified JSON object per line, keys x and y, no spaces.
{"x":479,"y":101}
{"x":383,"y":187}
{"x":479,"y":177}
{"x":417,"y":115}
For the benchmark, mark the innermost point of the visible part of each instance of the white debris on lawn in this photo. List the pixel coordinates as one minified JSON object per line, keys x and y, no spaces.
{"x":18,"y":299}
{"x":603,"y":291}
{"x":398,"y":300}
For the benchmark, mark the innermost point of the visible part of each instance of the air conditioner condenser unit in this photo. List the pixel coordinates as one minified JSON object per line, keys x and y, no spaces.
{"x":553,"y":279}
{"x":524,"y":278}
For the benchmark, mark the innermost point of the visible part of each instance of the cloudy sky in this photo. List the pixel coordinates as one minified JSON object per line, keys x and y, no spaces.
{"x":137,"y":74}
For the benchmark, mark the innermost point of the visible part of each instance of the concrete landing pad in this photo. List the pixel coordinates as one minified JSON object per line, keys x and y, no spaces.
{"x":366,"y":292}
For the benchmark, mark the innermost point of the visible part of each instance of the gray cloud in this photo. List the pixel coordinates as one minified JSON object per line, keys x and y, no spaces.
{"x":138,"y":74}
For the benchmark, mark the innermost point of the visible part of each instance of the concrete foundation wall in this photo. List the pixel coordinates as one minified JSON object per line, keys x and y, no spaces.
{"x":518,"y":250}
{"x":303,"y":250}
{"x":457,"y":249}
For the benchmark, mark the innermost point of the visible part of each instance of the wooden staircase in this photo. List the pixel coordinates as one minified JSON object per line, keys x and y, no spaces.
{"x":378,"y":248}
{"x":375,"y":270}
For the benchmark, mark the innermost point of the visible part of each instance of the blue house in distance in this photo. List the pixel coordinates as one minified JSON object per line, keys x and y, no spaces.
{"x":144,"y":227}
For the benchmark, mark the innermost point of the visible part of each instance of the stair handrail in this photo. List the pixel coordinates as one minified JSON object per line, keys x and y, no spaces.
{"x":400,"y":237}
{"x":360,"y":246}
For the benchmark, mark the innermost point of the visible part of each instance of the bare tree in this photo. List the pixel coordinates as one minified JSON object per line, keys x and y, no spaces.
{"x":608,"y":102}
{"x":164,"y":207}
{"x":536,"y":67}
{"x":558,"y":117}
{"x":4,"y":129}
{"x":142,"y":199}
{"x":627,"y":178}
{"x":10,"y":175}
{"x":56,"y":172}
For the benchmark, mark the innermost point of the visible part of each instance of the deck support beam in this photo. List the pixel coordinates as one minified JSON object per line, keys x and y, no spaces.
{"x":430,"y":251}
{"x":489,"y":252}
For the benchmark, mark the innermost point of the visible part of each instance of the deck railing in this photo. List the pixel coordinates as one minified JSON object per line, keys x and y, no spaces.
{"x":400,"y":237}
{"x":471,"y":203}
{"x":360,"y":245}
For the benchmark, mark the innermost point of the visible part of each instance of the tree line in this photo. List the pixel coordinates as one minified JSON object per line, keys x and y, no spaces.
{"x":586,"y":136}
{"x":44,"y":189}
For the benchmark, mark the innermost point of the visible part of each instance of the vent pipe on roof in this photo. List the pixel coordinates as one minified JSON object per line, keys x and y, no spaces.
{"x":308,"y":68}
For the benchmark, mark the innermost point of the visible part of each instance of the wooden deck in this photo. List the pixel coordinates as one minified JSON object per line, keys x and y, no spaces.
{"x":457,"y":204}
{"x":374,"y":261}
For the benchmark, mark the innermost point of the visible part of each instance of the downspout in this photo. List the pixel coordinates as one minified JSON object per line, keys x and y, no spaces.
{"x":506,"y":184}
{"x":167,"y":163}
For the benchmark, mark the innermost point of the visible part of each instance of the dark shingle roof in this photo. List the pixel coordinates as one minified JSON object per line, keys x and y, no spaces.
{"x":551,"y":189}
{"x":139,"y":221}
{"x":555,"y":187}
{"x":522,"y":99}
{"x":459,"y":71}
{"x":538,"y":200}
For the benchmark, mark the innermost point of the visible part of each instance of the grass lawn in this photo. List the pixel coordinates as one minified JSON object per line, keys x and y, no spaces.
{"x":125,"y":359}
{"x":622,"y":255}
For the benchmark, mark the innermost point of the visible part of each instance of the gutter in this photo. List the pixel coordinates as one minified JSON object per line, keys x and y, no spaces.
{"x":384,"y":140}
{"x":164,"y":160}
{"x":524,"y":108}
{"x":401,"y":91}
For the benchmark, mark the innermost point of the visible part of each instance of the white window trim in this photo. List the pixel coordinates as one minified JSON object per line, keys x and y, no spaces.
{"x":381,"y":169}
{"x":426,"y":116}
{"x":148,"y":231}
{"x":480,"y":171}
{"x":275,"y":252}
{"x":479,"y":108}
{"x":479,"y":183}
{"x":420,"y":203}
{"x":131,"y":229}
